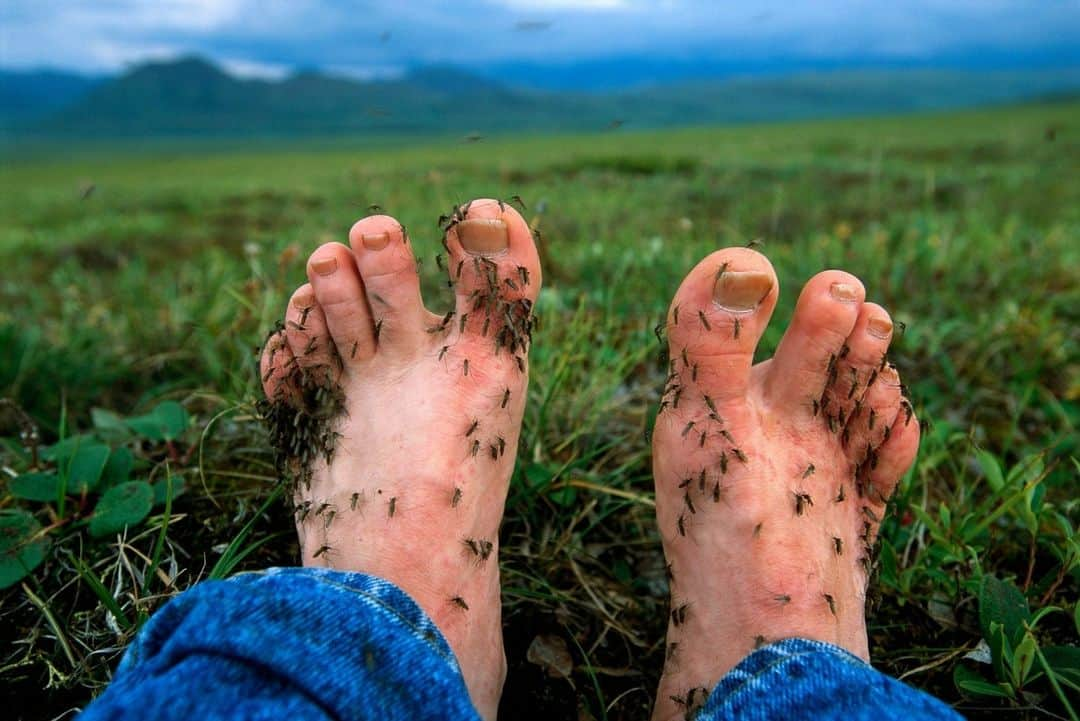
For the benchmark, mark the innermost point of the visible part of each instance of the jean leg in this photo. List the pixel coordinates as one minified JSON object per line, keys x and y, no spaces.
{"x":801,"y":679}
{"x":296,"y":643}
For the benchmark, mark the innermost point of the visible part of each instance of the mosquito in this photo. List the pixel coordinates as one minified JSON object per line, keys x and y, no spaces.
{"x":393,"y":506}
{"x":472,"y":428}
{"x":505,"y":398}
{"x":838,"y":545}
{"x":704,"y":320}
{"x":809,"y":471}
{"x":803,"y":501}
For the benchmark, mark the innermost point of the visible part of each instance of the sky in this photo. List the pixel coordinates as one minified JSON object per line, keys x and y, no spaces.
{"x":270,"y":38}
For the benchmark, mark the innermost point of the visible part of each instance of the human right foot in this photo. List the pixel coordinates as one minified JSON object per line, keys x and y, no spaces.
{"x":771,"y":480}
{"x":415,"y":416}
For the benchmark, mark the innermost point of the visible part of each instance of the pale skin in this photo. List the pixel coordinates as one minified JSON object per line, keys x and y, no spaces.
{"x":433,"y":405}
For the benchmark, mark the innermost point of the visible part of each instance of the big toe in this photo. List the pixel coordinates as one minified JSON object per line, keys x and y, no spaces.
{"x":495,"y":270}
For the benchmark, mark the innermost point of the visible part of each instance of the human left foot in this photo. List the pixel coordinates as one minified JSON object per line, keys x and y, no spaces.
{"x":402,"y":425}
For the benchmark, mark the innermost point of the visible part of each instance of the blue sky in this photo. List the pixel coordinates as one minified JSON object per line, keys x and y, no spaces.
{"x":364,"y":39}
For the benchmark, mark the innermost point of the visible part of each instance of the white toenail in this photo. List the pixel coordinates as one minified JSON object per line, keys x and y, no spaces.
{"x":324,"y":266}
{"x":879,"y":327}
{"x":375,"y":241}
{"x":844,"y":292}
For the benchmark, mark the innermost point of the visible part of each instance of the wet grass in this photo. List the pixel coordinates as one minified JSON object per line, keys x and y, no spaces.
{"x":132,"y":279}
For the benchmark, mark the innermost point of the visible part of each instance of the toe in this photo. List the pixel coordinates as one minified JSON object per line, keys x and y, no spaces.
{"x":385,"y":259}
{"x":805,"y":360}
{"x":716,"y":319}
{"x":867,"y":392}
{"x":341,"y":309}
{"x":306,"y":332}
{"x":894,"y":455}
{"x":274,"y":366}
{"x":495,"y":270}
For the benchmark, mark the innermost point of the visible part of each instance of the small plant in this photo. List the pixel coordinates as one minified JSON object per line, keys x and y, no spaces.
{"x":85,"y":482}
{"x":1018,"y":663}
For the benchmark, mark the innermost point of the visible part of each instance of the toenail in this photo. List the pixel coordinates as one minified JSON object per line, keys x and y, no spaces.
{"x":844,"y":292}
{"x":483,"y":235}
{"x":879,"y":327}
{"x":325,"y":266}
{"x":375,"y":241}
{"x":741,"y":290}
{"x":304,"y":300}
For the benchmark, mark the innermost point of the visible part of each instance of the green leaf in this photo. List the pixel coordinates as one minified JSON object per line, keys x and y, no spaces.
{"x":991,"y":469}
{"x":117,"y":468}
{"x":1023,"y":659}
{"x":971,"y":682}
{"x":63,"y":450}
{"x":110,"y":426}
{"x":565,"y":496}
{"x":87,"y":465}
{"x":20,"y":553}
{"x":945,"y":515}
{"x":1001,"y":601}
{"x":161,"y":489}
{"x":1076,"y":617}
{"x":122,"y":505}
{"x":1065,"y":661}
{"x":166,"y":422}
{"x":36,"y":487}
{"x":1001,"y":654}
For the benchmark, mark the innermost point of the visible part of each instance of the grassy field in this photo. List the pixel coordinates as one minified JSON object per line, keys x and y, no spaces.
{"x":136,"y":287}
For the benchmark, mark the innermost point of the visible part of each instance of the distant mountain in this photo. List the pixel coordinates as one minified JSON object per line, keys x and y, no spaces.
{"x":29,"y":94}
{"x":193,"y":97}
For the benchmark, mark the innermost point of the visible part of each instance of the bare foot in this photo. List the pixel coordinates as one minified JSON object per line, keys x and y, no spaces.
{"x":408,"y":425}
{"x":771,"y":480}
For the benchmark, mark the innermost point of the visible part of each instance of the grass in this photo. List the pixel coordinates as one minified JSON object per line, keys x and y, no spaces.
{"x":136,"y":279}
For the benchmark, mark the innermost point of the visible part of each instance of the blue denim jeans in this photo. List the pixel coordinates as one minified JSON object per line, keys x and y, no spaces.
{"x":303,"y":643}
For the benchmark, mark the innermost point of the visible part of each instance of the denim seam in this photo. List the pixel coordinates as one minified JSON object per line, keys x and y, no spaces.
{"x":424,"y":634}
{"x":772,"y":666}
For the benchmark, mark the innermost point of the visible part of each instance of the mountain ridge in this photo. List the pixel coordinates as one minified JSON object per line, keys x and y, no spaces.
{"x":192,"y":96}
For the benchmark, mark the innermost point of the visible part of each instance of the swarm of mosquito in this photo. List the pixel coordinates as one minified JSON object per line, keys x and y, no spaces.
{"x":301,"y":416}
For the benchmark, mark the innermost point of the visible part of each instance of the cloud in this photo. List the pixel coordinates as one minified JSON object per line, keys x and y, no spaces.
{"x":264,"y":36}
